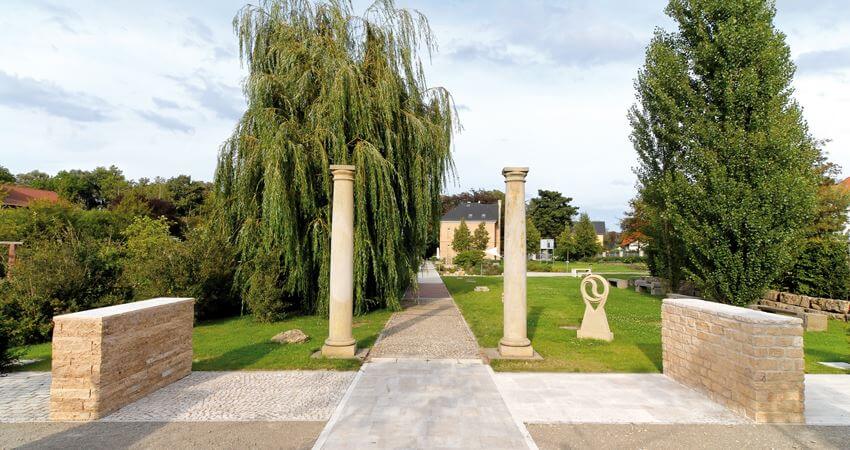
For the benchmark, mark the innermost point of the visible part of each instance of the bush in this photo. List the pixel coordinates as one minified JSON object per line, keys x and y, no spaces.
{"x":159,"y":265}
{"x":7,"y":355}
{"x":61,"y":276}
{"x":821,"y":270}
{"x":469,"y":259}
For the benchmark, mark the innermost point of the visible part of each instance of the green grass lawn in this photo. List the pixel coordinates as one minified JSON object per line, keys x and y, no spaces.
{"x":600,"y":267}
{"x":832,"y":345}
{"x":635,"y":320}
{"x":239,"y":343}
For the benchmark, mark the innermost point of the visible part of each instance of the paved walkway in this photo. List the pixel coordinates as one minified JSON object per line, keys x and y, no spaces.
{"x":425,"y":385}
{"x":423,"y":404}
{"x":430,"y":326}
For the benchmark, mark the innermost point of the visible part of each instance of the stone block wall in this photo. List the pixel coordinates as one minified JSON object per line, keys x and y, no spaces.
{"x":109,"y":357}
{"x":749,"y":361}
{"x":837,"y":309}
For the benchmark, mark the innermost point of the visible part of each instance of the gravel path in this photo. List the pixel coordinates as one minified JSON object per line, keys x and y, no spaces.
{"x":430,"y":326}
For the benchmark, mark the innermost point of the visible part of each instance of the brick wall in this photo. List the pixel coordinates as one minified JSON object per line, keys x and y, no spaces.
{"x":749,"y":361}
{"x":109,"y":357}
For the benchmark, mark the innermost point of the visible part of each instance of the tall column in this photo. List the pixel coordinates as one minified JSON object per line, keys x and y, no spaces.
{"x":514,"y":342}
{"x":340,"y":342}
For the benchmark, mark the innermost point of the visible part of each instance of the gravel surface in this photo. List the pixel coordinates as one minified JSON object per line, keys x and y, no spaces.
{"x":564,"y":436}
{"x":160,"y":435}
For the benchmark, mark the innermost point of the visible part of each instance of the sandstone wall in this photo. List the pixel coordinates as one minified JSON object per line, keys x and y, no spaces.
{"x":837,"y":309}
{"x":750,"y":361}
{"x":109,"y":357}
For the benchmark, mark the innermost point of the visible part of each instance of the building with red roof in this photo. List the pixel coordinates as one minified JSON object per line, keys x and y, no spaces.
{"x":21,"y":196}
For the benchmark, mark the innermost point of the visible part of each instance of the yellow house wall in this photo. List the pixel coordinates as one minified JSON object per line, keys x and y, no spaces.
{"x":447,"y":233}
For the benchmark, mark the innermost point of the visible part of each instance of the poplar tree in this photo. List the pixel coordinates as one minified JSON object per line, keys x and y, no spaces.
{"x":462,"y":239}
{"x":480,"y":237}
{"x":326,"y":86}
{"x":726,"y":161}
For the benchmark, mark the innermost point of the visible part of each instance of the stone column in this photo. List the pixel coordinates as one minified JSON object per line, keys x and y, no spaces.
{"x":514,"y":343}
{"x":340,"y":342}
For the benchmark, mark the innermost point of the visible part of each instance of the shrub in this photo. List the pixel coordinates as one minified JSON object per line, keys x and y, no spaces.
{"x":61,"y":276}
{"x":157,"y":264}
{"x":469,"y":259}
{"x":821,"y":270}
{"x":7,"y":355}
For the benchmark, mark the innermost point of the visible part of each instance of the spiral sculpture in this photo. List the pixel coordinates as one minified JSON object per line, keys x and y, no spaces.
{"x":594,"y":325}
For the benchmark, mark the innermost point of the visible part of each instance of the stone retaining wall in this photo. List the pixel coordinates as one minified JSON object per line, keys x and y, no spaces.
{"x":837,"y":309}
{"x":109,"y":357}
{"x":750,"y":361}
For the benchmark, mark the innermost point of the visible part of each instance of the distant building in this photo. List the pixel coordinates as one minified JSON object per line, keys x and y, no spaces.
{"x":473,"y":214}
{"x":21,"y":196}
{"x":633,"y":242}
{"x":599,"y":226}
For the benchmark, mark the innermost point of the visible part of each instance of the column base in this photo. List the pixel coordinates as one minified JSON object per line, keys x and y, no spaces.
{"x":346,"y":351}
{"x":507,"y":351}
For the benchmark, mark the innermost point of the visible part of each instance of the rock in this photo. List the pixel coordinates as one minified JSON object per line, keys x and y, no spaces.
{"x":772,"y":296}
{"x":482,"y":289}
{"x":291,"y":337}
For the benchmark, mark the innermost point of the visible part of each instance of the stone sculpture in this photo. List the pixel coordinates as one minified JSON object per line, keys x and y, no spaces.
{"x":594,"y":325}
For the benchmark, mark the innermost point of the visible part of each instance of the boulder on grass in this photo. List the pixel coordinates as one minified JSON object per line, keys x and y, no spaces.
{"x":482,"y":289}
{"x":295,"y":336}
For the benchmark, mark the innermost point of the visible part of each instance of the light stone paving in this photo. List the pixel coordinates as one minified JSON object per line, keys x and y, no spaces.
{"x":607,"y":398}
{"x":828,"y":399}
{"x":647,"y":399}
{"x":415,"y":403}
{"x":25,"y":397}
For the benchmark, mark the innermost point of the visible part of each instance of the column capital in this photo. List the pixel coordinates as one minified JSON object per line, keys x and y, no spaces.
{"x":342,"y":172}
{"x":515,"y":173}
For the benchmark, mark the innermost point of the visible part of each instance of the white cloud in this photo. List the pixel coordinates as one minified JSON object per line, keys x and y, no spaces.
{"x":154,"y":87}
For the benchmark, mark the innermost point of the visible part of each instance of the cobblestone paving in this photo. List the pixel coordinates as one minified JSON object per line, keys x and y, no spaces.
{"x":430,"y":326}
{"x":241,"y":396}
{"x":202,"y":396}
{"x":25,"y":397}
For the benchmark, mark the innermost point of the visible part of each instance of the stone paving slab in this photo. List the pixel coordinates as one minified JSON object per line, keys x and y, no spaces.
{"x":25,"y":397}
{"x":647,"y":399}
{"x":607,"y":398}
{"x":828,"y":400}
{"x":415,"y":403}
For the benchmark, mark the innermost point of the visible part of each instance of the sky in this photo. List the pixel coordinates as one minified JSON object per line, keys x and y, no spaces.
{"x":154,"y":87}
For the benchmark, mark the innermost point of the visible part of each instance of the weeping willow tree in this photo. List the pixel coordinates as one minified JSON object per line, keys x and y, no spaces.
{"x":328,"y":87}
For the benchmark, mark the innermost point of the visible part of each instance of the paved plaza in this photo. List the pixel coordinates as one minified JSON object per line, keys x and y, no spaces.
{"x":607,"y":398}
{"x":423,"y":386}
{"x":25,"y":397}
{"x":200,"y":397}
